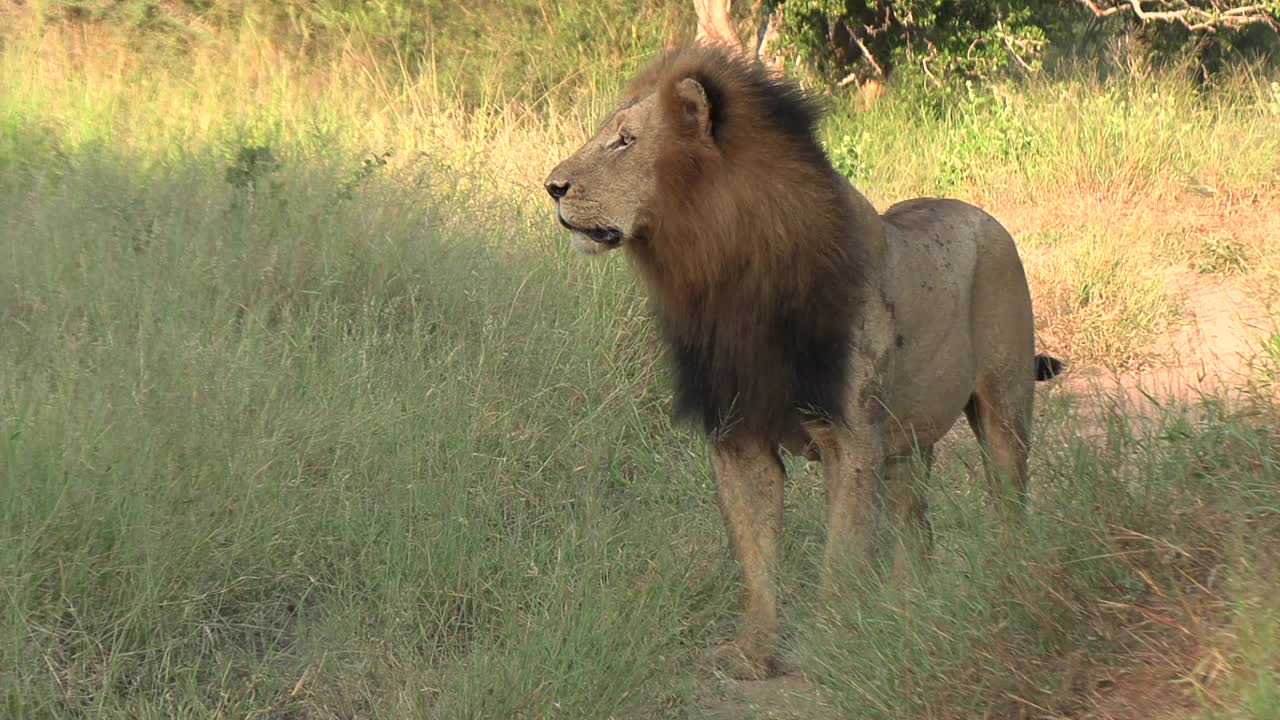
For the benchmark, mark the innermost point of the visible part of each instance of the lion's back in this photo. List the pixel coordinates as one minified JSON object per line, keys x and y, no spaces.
{"x":932,"y":250}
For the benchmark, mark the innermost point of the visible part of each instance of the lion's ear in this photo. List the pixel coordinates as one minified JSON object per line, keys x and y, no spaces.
{"x":693,"y":106}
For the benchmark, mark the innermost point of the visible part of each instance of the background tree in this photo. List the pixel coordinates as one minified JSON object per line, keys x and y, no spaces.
{"x":760,"y":24}
{"x":857,"y":41}
{"x":714,"y":25}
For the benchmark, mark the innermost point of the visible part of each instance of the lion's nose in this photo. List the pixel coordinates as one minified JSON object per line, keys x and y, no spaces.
{"x":557,"y":190}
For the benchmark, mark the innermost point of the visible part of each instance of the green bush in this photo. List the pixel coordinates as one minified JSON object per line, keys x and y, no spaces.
{"x":945,"y":39}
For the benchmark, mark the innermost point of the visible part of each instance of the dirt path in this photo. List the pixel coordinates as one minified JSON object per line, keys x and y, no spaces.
{"x":789,"y":697}
{"x":1212,"y":351}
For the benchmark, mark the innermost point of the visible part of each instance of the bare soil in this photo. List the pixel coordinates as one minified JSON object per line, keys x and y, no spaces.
{"x":1214,"y":349}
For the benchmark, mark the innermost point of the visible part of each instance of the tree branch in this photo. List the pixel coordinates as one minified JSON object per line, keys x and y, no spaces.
{"x":866,"y":55}
{"x":1206,"y":16}
{"x":1013,"y":44}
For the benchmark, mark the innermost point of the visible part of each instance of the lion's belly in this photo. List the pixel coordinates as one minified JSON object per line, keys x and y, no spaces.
{"x":928,"y":388}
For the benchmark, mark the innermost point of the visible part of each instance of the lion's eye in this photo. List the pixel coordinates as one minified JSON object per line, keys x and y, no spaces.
{"x":623,"y":140}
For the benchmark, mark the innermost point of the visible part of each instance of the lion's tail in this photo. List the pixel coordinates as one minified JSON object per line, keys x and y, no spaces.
{"x":1047,"y":367}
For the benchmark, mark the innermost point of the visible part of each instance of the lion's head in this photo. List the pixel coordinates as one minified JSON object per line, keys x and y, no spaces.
{"x":605,"y":192}
{"x":695,"y":154}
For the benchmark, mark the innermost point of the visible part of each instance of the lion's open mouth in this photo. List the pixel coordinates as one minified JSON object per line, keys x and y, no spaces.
{"x":602,"y":235}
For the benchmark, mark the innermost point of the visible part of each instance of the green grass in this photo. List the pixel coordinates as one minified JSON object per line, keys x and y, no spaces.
{"x":256,"y":435}
{"x":293,"y":428}
{"x":1050,"y":138}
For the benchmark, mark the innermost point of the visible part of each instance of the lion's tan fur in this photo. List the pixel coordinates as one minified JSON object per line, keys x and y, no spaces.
{"x":798,"y":317}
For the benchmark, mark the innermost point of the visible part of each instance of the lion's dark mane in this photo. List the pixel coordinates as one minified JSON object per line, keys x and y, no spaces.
{"x":754,"y":278}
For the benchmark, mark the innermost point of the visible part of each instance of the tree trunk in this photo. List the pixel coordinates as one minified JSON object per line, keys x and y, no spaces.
{"x":714,"y":25}
{"x":767,"y":35}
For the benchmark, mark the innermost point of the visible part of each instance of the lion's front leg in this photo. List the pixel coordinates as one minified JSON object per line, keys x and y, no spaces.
{"x":750,"y":477}
{"x":852,"y":468}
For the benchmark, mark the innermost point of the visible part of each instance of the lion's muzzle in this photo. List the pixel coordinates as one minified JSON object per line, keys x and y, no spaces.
{"x":603,"y":235}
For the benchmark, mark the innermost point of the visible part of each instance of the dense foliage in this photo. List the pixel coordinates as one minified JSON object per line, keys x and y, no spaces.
{"x":947,"y":39}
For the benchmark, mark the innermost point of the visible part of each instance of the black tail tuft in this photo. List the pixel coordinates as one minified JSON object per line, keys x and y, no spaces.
{"x":1047,"y":367}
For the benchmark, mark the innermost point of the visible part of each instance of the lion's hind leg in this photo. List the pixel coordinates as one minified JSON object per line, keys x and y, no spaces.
{"x":1001,"y":420}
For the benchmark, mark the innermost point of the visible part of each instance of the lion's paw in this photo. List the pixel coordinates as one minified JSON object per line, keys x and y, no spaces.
{"x":742,"y":660}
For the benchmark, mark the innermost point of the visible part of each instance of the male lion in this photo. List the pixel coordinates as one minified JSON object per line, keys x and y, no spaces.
{"x":799,"y":318}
